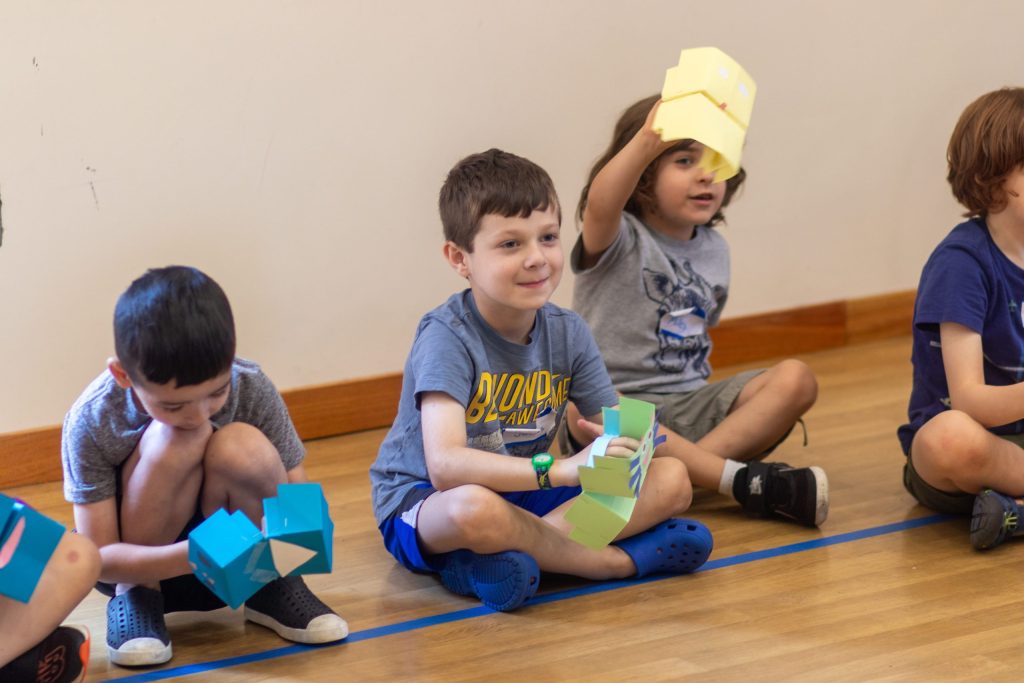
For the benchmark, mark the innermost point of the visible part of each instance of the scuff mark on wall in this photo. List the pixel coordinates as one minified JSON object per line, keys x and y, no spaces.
{"x":1,"y":222}
{"x":95,"y":197}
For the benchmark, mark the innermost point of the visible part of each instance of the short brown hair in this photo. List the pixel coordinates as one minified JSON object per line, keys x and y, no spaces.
{"x":492,"y":182}
{"x":642,"y":199}
{"x":987,"y":144}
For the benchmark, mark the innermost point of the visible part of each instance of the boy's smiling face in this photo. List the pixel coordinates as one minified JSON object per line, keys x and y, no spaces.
{"x":514,"y":268}
{"x":189,"y":407}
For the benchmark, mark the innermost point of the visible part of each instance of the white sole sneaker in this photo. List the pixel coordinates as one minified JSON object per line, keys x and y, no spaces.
{"x":140,"y":652}
{"x":325,"y":628}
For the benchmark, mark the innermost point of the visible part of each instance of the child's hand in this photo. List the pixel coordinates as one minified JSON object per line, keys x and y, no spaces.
{"x":619,"y":447}
{"x":620,"y":442}
{"x":566,"y":471}
{"x":652,"y":136}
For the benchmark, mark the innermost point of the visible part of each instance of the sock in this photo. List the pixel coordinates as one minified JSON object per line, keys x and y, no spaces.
{"x":732,"y":467}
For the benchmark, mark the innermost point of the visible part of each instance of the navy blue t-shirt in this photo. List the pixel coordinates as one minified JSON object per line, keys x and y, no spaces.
{"x":967,"y":280}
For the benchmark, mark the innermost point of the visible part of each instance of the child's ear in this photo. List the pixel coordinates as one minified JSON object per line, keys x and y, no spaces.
{"x":456,"y":258}
{"x":118,"y":371}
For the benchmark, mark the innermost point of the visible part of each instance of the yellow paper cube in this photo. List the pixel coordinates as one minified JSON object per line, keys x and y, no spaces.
{"x":708,"y":97}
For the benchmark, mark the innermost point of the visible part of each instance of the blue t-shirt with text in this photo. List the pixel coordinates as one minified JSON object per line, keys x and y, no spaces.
{"x":514,"y":395}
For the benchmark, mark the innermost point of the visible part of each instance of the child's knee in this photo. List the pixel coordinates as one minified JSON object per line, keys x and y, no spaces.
{"x":477,"y":514}
{"x":672,"y":480}
{"x":172,"y":448}
{"x":79,"y":562}
{"x":949,"y":443}
{"x":240,"y":451}
{"x":797,"y":380}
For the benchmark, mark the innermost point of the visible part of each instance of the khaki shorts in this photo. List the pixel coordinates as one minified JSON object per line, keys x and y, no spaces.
{"x":690,"y":414}
{"x":693,"y":414}
{"x":949,"y":502}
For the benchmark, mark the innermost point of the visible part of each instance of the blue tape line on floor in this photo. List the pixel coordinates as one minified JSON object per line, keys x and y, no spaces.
{"x":589,"y":589}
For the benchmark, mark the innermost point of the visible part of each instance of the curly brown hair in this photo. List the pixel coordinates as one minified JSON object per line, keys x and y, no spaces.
{"x":987,"y":144}
{"x":642,"y":200}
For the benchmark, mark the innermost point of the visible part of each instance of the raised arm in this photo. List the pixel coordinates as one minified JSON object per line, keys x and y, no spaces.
{"x":989,"y":405}
{"x":612,"y":187}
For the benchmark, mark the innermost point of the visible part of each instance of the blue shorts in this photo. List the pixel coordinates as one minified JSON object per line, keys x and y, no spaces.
{"x":399,"y":529}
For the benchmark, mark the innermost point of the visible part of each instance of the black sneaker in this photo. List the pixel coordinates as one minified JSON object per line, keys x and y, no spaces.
{"x":995,"y":518}
{"x":136,"y":632}
{"x":776,"y":489}
{"x":287,"y":607}
{"x":62,"y":657}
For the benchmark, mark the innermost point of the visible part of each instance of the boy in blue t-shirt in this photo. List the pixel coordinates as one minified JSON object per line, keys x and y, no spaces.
{"x":966,"y":428}
{"x":176,"y":428}
{"x":462,"y":485}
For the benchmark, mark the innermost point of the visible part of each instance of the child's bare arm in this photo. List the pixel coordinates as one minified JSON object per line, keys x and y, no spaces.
{"x":612,"y":187}
{"x":452,"y":463}
{"x":125,"y":562}
{"x":990,"y":405}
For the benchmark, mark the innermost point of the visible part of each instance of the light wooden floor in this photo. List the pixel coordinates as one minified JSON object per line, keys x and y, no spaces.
{"x":899,"y":602}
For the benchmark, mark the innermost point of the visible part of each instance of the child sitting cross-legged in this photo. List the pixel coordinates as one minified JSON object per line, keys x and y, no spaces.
{"x":964,"y":440}
{"x":462,"y":485}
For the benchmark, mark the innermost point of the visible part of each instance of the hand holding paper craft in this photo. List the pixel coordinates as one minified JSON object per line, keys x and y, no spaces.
{"x":234,"y":559}
{"x":27,"y":540}
{"x":708,"y":97}
{"x":611,"y":484}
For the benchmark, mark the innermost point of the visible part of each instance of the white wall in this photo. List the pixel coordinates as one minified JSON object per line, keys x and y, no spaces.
{"x":294,"y":150}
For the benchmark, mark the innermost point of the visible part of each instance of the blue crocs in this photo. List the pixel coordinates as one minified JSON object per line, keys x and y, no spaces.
{"x":503,"y":581}
{"x":676,"y":546}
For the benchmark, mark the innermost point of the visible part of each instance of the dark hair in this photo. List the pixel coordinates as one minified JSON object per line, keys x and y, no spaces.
{"x":492,"y":182}
{"x":642,"y":199}
{"x":986,"y":145}
{"x":174,"y":323}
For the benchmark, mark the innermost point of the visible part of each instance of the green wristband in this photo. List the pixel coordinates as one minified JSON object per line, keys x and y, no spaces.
{"x":541,"y":466}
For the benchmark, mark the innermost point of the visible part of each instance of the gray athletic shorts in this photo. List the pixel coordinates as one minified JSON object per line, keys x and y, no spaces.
{"x":695,"y":413}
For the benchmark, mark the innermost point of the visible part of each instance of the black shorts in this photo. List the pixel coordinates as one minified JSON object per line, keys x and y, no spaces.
{"x":951,"y":503}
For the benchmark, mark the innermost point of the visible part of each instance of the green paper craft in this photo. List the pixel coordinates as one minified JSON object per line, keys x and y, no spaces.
{"x":611,"y":484}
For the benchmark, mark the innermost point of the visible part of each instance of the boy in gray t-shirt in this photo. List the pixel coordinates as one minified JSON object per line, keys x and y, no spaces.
{"x":462,"y":485}
{"x":174,"y":430}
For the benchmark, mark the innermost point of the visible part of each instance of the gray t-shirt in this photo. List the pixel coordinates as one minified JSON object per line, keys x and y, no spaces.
{"x":106,"y":422}
{"x":514,"y":394}
{"x":649,"y":301}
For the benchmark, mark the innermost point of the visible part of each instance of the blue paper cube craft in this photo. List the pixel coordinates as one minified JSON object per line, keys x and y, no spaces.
{"x":299,"y":528}
{"x":230,"y":556}
{"x":27,"y":540}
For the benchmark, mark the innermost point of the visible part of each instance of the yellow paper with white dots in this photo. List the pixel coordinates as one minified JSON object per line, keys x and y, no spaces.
{"x":708,"y":97}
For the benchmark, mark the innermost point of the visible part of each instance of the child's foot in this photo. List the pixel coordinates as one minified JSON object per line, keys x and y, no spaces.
{"x":796,"y":493}
{"x":676,"y":546}
{"x":287,"y":607}
{"x":502,"y":581}
{"x":995,"y":518}
{"x":136,"y":632}
{"x":62,"y":657}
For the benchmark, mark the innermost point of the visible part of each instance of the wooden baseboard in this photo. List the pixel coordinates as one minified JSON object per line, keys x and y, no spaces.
{"x":879,"y":317}
{"x":30,"y":457}
{"x":33,"y":456}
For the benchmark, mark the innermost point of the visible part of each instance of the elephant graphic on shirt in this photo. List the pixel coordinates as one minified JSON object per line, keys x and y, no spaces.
{"x":681,"y":348}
